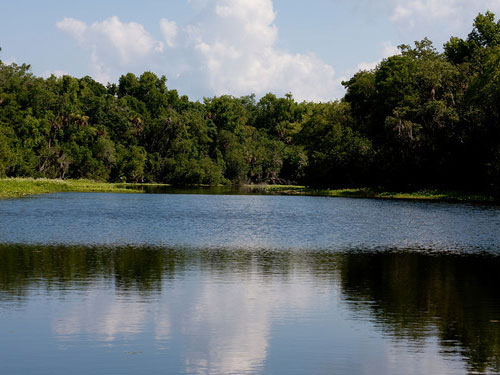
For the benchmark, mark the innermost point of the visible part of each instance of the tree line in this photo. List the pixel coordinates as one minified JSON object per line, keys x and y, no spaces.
{"x":420,"y":119}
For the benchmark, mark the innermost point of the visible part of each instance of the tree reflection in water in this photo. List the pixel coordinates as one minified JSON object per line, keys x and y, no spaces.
{"x":409,"y":295}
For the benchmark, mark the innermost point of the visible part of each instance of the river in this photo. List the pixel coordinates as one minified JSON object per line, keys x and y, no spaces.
{"x":247,"y":284}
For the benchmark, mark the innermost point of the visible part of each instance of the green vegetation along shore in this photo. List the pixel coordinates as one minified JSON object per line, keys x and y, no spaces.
{"x":19,"y":187}
{"x":435,"y":195}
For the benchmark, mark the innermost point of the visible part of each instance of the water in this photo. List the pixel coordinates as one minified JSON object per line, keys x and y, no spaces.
{"x":217,"y":284}
{"x":248,"y":222}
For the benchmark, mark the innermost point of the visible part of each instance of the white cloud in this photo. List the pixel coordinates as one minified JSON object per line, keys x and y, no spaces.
{"x":431,"y":8}
{"x":456,"y":13}
{"x":75,"y":28}
{"x":169,"y":30}
{"x":112,"y":43}
{"x":236,"y":42}
{"x":98,"y":69}
{"x":231,"y":49}
{"x":130,"y":40}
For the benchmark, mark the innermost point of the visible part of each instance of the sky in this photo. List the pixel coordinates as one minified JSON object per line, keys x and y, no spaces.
{"x":236,"y":47}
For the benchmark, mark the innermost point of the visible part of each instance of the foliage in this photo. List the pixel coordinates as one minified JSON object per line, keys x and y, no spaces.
{"x":420,"y":119}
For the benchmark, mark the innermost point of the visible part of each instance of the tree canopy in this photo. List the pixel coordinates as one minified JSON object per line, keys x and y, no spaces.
{"x":419,"y":119}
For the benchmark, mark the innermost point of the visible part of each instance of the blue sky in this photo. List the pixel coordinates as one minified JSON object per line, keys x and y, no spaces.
{"x":238,"y":47}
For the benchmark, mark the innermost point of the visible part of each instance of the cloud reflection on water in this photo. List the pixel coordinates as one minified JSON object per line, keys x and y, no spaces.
{"x":205,"y":312}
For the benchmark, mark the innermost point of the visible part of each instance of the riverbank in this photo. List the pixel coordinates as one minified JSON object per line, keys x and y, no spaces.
{"x":434,"y":195}
{"x":19,"y":187}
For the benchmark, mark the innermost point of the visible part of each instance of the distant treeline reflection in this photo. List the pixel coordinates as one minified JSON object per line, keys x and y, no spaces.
{"x":409,"y":296}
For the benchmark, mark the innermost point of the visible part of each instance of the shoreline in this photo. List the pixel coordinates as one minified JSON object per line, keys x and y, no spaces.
{"x":20,"y":187}
{"x":424,"y":195}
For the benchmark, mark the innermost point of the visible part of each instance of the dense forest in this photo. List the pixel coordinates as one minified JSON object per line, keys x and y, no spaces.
{"x":420,"y":119}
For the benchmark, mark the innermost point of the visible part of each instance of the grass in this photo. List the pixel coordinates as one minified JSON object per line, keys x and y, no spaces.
{"x":436,"y":195}
{"x":18,"y":187}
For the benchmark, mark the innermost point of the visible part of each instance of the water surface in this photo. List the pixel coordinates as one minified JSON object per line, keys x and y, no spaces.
{"x":248,"y":222}
{"x":210,"y":284}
